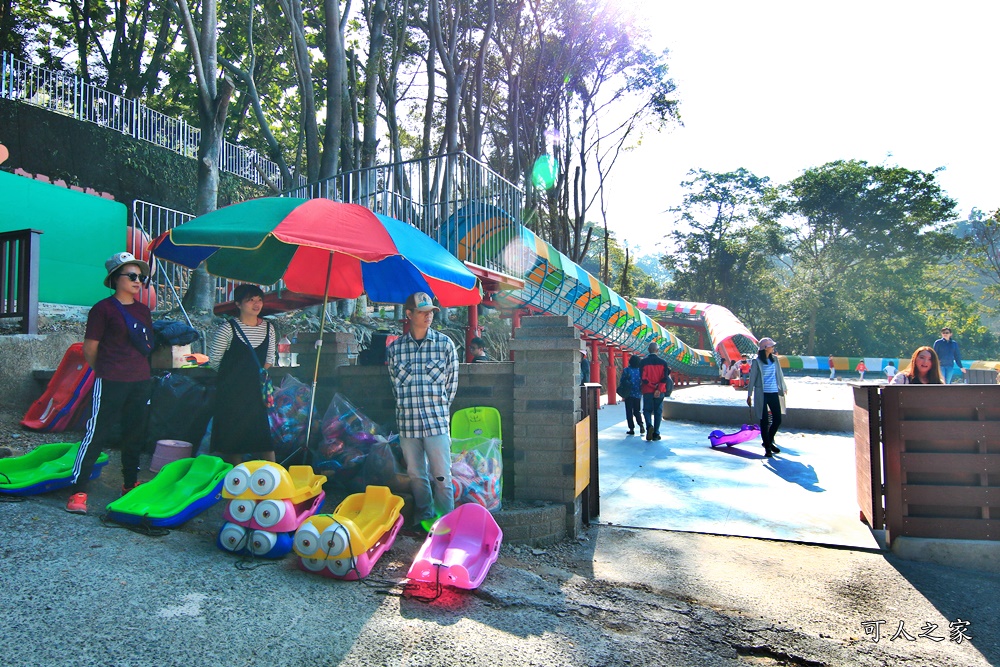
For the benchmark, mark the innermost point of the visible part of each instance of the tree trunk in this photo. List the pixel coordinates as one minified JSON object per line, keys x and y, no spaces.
{"x":213,"y":104}
{"x":307,"y":93}
{"x":336,"y":63}
{"x":376,"y":48}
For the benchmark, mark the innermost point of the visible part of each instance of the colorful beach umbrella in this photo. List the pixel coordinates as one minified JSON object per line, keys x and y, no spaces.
{"x":320,"y":248}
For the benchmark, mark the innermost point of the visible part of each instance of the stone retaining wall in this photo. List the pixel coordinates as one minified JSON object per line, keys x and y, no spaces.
{"x":537,"y":395}
{"x":807,"y":419}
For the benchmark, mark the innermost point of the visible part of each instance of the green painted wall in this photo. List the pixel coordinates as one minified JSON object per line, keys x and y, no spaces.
{"x":80,"y":231}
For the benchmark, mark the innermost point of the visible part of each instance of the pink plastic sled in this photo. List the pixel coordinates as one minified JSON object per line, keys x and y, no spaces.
{"x":747,"y":432}
{"x":460,"y":548}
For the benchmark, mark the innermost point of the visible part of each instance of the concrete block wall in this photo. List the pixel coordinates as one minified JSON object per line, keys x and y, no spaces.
{"x":546,"y":410}
{"x":339,"y":349}
{"x":20,"y":354}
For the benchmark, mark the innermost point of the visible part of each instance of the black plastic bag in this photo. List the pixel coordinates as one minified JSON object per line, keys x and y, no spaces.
{"x":172,"y":332}
{"x":179,"y":409}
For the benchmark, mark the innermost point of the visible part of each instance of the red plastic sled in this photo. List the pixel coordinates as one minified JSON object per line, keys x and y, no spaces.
{"x":747,"y":432}
{"x":66,"y":393}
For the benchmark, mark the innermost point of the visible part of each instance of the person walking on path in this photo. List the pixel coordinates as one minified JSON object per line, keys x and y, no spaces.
{"x":861,"y":368}
{"x":655,"y":385}
{"x":240,"y":348}
{"x":924,"y":369}
{"x":630,"y":389}
{"x":948,"y":355}
{"x":423,"y":368}
{"x":890,"y":370}
{"x":767,"y":391}
{"x":123,"y":385}
{"x":833,"y":371}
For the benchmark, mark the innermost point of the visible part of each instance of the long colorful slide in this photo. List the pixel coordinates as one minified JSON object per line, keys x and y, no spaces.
{"x":553,"y":284}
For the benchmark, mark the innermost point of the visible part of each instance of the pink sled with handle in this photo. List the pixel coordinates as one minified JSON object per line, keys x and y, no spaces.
{"x":460,"y":548}
{"x":747,"y":432}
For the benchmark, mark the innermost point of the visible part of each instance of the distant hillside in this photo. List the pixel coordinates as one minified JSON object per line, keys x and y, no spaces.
{"x":651,"y":265}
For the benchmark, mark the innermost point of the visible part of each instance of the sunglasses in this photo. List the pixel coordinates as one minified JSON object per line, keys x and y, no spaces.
{"x":134,"y":277}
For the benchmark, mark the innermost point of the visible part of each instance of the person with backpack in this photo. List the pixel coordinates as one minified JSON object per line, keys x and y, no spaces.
{"x":656,"y":384}
{"x":630,"y":389}
{"x":117,"y":344}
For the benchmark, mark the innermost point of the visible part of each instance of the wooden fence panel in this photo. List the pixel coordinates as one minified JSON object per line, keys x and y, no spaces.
{"x":868,"y":454}
{"x":19,"y":256}
{"x":942,"y":461}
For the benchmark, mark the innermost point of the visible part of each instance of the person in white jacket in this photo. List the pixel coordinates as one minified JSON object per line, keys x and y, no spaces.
{"x":767,"y":390}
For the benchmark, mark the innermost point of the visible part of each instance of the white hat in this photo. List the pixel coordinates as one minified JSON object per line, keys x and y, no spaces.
{"x":120,"y":259}
{"x":421,"y":302}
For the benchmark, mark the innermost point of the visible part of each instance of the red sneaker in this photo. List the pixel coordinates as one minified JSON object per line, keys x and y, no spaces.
{"x":77,"y":503}
{"x":126,"y":489}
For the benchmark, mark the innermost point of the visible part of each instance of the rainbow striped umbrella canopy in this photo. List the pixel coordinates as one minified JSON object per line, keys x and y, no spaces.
{"x":321,"y":248}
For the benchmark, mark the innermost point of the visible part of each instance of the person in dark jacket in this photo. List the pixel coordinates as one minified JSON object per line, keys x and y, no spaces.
{"x":477,"y":351}
{"x":948,"y":355}
{"x":656,"y":384}
{"x":631,"y":385}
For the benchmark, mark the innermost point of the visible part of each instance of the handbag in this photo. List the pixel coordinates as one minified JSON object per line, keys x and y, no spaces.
{"x":266,"y":385}
{"x":139,"y":335}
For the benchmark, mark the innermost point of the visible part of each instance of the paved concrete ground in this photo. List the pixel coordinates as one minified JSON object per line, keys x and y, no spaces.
{"x":78,"y":593}
{"x":805,"y":494}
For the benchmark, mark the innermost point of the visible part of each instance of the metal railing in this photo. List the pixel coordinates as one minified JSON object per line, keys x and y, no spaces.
{"x":169,"y":281}
{"x":469,"y":201}
{"x":70,"y":95}
{"x":445,"y":197}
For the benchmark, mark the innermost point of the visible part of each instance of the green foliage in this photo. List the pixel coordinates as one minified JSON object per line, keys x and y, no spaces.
{"x":862,"y":238}
{"x":18,"y":20}
{"x":723,"y":243}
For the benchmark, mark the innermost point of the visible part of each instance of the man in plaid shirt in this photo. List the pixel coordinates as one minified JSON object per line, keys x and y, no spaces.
{"x":423,"y":368}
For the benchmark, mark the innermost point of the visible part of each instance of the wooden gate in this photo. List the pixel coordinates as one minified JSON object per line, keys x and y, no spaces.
{"x":942,"y":461}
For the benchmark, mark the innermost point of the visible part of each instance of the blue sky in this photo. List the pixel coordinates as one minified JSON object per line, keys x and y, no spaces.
{"x":778,"y":87}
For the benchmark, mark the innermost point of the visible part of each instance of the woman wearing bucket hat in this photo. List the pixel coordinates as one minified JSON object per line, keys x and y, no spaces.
{"x":116,"y":328}
{"x":767,"y":390}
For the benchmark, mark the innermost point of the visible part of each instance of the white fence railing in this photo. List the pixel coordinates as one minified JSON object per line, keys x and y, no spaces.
{"x":70,"y":95}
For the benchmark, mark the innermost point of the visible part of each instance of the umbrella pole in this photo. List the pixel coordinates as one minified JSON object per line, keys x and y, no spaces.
{"x":319,"y":351}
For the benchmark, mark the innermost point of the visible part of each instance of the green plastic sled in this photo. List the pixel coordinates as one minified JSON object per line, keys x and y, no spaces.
{"x":182,"y":489}
{"x":45,"y":468}
{"x":476,"y":421}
